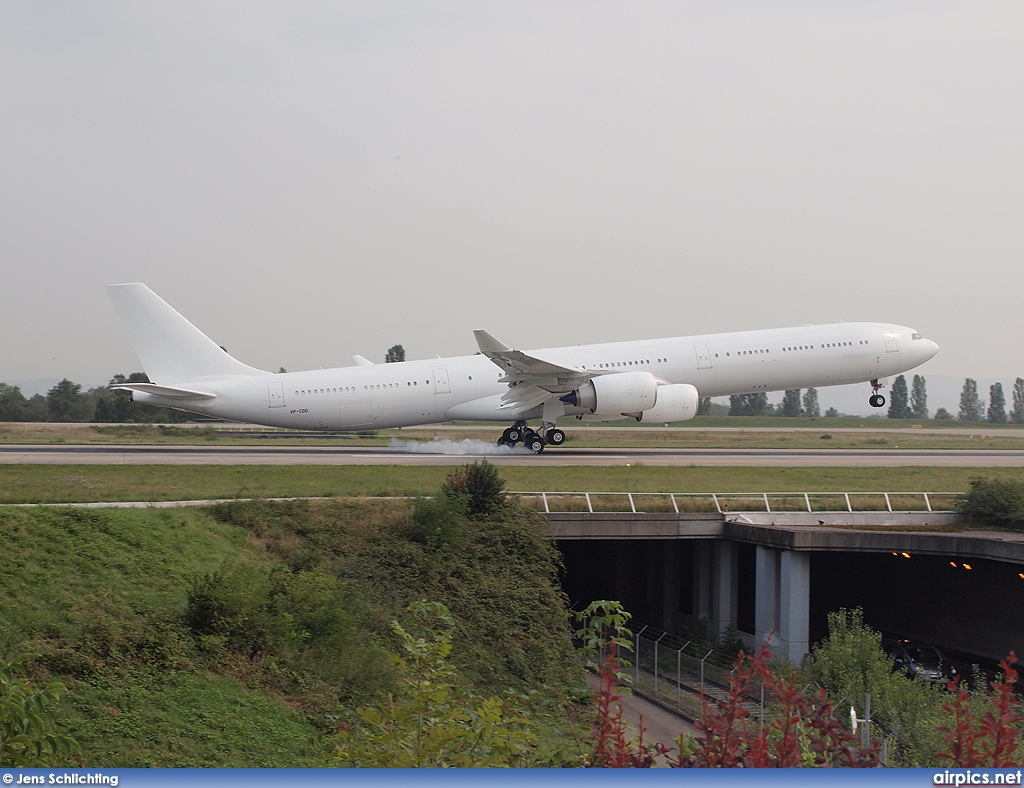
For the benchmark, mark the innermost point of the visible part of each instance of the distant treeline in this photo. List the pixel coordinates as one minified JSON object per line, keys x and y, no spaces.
{"x":904,"y":403}
{"x":68,"y":402}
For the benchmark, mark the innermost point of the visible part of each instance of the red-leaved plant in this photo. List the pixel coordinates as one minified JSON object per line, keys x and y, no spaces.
{"x":614,"y":746}
{"x":805,"y":732}
{"x":993,"y":740}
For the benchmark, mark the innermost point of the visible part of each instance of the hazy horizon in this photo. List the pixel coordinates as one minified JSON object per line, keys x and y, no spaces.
{"x":312,"y":180}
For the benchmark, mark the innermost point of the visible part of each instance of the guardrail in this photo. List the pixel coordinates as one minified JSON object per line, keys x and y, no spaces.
{"x":623,"y":502}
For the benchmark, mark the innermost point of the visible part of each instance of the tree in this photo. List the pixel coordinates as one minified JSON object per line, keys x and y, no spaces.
{"x":704,"y":407}
{"x":791,"y":403}
{"x":395,"y":353}
{"x":36,"y":409}
{"x":811,"y":407}
{"x":996,"y":404}
{"x":1017,"y":414}
{"x":943,"y":415}
{"x":918,"y":398}
{"x":28,"y":735}
{"x":899,"y":408}
{"x":970,"y":405}
{"x":748,"y":404}
{"x":12,"y":403}
{"x":831,"y":413}
{"x":67,"y":403}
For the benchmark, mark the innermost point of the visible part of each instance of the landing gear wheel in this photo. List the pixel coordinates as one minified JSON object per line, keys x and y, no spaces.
{"x":876,"y":400}
{"x":502,"y":441}
{"x":555,"y":437}
{"x":512,"y":436}
{"x":534,"y":443}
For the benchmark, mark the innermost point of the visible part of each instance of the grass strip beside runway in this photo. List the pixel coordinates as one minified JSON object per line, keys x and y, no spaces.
{"x":96,"y":483}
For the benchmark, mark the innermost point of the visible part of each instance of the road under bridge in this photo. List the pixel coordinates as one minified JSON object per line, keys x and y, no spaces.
{"x":915,"y":574}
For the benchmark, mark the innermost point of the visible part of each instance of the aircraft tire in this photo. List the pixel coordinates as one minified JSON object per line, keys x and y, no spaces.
{"x":512,"y":436}
{"x":534,"y":443}
{"x":555,"y":437}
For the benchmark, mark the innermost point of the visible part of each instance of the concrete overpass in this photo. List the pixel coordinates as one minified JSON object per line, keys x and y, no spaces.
{"x":916,"y":574}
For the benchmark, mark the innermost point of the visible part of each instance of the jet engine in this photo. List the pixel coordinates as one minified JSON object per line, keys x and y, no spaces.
{"x":676,"y":402}
{"x":623,"y":392}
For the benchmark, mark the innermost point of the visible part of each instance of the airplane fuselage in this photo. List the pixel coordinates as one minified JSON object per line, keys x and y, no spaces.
{"x":470,"y":388}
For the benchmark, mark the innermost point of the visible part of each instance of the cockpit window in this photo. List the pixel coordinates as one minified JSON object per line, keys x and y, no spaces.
{"x":916,"y":336}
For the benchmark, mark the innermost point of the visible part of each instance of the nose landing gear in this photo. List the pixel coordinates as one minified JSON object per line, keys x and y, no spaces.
{"x":876,"y":400}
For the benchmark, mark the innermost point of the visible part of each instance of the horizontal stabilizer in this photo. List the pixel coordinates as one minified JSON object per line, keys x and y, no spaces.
{"x":165,"y":391}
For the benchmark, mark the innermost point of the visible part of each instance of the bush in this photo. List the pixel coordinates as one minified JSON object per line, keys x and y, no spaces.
{"x":439,"y":523}
{"x":994,"y":501}
{"x":850,"y":663}
{"x":479,"y":485}
{"x":431,"y":723}
{"x":302,"y":627}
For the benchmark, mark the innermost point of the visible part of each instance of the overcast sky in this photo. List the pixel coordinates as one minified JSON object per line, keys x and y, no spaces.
{"x":305,"y":181}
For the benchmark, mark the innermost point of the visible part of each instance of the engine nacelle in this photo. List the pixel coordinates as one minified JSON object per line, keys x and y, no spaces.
{"x":676,"y":402}
{"x":623,"y":392}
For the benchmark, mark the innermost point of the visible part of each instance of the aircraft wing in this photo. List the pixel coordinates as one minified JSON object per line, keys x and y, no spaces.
{"x":521,"y":367}
{"x":531,"y":379}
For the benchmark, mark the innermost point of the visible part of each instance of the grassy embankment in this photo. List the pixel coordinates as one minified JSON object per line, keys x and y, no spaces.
{"x":287,"y":627}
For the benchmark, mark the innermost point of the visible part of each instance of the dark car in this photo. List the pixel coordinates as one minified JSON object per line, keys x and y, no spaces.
{"x":919,"y":658}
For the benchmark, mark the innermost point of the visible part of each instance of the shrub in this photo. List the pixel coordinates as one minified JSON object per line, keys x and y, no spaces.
{"x":431,"y":723}
{"x":994,"y":501}
{"x":481,"y":487}
{"x":301,"y":626}
{"x":439,"y":523}
{"x":990,"y":739}
{"x":850,"y":664}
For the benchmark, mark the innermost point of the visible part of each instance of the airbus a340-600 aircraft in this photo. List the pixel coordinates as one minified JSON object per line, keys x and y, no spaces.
{"x":653,"y":380}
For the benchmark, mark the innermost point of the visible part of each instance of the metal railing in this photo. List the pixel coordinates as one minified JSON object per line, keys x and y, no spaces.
{"x":627,"y":502}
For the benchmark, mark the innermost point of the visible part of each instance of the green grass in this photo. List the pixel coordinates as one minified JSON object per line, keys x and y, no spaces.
{"x":97,"y":483}
{"x":101,"y":596}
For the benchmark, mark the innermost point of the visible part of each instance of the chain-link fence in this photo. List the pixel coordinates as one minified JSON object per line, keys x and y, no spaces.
{"x":673,"y":671}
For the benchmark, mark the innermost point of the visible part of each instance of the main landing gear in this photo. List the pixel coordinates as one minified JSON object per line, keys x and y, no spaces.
{"x":531,"y":439}
{"x":876,"y":400}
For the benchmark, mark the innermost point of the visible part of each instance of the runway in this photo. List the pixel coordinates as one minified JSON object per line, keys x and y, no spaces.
{"x":460,"y":452}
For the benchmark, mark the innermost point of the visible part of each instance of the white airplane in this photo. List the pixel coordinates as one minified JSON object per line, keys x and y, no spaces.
{"x":653,"y":381}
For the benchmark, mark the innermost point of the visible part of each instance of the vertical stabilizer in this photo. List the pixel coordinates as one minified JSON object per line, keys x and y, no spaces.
{"x":171,"y":349}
